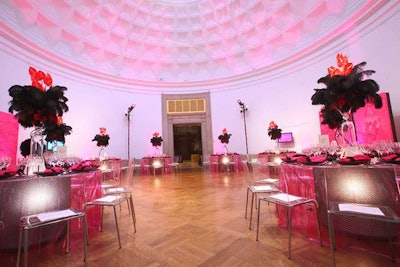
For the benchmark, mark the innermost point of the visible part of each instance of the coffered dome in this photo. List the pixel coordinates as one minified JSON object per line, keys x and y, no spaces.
{"x":178,"y":41}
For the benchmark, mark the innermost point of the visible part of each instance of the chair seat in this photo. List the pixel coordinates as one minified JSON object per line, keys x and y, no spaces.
{"x":110,"y":200}
{"x":254,"y":190}
{"x":114,"y":200}
{"x":117,"y":190}
{"x":370,"y":212}
{"x":273,"y":181}
{"x":287,"y":199}
{"x":49,"y":218}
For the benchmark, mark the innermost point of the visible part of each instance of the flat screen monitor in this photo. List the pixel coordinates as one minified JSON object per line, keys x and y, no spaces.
{"x":286,"y":138}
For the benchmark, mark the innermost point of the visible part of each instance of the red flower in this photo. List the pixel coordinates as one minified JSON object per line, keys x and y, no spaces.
{"x":36,"y":117}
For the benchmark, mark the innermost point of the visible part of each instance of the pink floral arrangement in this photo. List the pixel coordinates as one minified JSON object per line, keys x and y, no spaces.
{"x":156,"y":140}
{"x":102,"y":138}
{"x":274,"y":131}
{"x":224,"y":137}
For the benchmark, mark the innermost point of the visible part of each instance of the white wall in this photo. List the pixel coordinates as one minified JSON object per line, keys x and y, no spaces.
{"x":286,"y":100}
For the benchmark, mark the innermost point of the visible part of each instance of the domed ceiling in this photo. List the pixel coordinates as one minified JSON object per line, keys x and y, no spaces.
{"x":177,"y":41}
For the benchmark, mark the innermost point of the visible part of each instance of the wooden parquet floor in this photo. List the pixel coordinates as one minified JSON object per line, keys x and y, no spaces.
{"x":196,"y":218}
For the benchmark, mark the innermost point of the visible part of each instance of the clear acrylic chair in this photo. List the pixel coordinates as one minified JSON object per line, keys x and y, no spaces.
{"x":288,"y":201}
{"x":362,"y":201}
{"x":176,"y":163}
{"x":35,"y":221}
{"x":229,"y":163}
{"x":124,"y":191}
{"x":113,"y":201}
{"x":254,"y":191}
{"x":157,"y":164}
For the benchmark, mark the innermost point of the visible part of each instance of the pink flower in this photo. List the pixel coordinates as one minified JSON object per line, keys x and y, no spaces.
{"x":103,"y":131}
{"x":272,"y":125}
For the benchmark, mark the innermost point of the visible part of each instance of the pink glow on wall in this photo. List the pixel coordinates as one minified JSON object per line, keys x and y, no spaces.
{"x":8,"y":138}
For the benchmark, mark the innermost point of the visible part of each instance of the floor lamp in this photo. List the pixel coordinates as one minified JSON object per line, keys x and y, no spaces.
{"x":243,"y":109}
{"x":129,"y":116}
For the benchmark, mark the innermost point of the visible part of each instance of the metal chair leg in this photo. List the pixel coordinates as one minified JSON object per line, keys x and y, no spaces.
{"x":247,"y":202}
{"x":116,"y":224}
{"x":258,"y":218}
{"x":26,"y":243}
{"x":290,"y":233}
{"x":332,"y":238}
{"x":251,"y":209}
{"x":132,"y":211}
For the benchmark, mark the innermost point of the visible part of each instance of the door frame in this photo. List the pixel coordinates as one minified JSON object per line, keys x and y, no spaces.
{"x":204,"y":119}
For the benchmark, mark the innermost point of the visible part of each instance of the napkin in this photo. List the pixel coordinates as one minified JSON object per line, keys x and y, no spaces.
{"x":359,"y":157}
{"x":313,"y":159}
{"x":54,"y":169}
{"x":391,"y":157}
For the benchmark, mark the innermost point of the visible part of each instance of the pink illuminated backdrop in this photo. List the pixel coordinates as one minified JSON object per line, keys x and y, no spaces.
{"x":8,"y":137}
{"x":371,"y":124}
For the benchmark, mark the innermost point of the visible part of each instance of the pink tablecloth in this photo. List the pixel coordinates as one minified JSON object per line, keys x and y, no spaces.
{"x":146,"y":165}
{"x":217,"y":164}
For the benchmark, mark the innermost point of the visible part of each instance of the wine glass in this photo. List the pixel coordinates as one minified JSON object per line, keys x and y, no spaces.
{"x":4,"y":162}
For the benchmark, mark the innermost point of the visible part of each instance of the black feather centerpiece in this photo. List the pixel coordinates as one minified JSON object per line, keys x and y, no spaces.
{"x":346,"y":91}
{"x":274,"y":131}
{"x":40,"y":105}
{"x":102,"y":138}
{"x":224,"y":137}
{"x":156,"y":140}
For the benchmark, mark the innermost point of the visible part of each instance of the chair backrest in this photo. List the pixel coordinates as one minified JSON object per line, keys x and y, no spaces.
{"x":362,"y":185}
{"x":177,"y":159}
{"x":372,"y":186}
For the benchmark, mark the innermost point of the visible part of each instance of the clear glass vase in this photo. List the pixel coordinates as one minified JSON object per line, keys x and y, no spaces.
{"x":36,"y":161}
{"x":346,"y":134}
{"x":102,"y":153}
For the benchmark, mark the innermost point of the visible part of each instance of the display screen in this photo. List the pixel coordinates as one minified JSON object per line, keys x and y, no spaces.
{"x":51,"y":146}
{"x":286,"y":138}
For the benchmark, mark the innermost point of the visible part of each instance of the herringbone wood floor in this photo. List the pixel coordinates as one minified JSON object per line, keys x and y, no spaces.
{"x":196,"y":218}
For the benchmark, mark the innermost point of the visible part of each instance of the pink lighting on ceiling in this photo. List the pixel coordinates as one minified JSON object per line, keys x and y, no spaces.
{"x":178,"y":41}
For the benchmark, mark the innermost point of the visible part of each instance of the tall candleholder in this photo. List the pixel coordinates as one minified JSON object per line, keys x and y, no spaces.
{"x":129,"y":116}
{"x":243,"y":109}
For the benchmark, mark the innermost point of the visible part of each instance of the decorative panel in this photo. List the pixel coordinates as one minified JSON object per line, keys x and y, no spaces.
{"x":8,"y":137}
{"x":371,"y":124}
{"x":194,"y":105}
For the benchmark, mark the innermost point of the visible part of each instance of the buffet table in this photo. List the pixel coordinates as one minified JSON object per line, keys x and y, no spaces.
{"x":309,"y":181}
{"x":20,"y":196}
{"x":147,"y":168}
{"x":233,"y":163}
